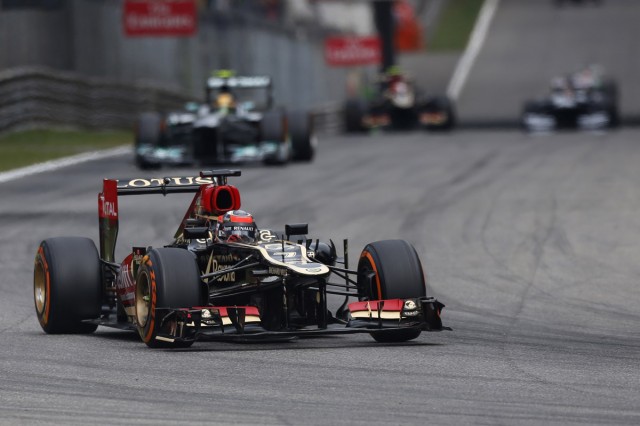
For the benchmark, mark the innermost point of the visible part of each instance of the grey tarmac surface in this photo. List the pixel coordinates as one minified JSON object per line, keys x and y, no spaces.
{"x":531,"y":242}
{"x":531,"y":41}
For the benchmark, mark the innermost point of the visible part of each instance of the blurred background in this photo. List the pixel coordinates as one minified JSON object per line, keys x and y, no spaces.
{"x":98,"y":62}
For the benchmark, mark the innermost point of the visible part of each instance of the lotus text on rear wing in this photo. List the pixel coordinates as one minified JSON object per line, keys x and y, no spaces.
{"x":178,"y":181}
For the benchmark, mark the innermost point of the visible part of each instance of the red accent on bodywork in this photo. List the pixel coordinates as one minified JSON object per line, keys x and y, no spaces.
{"x":125,"y":284}
{"x":220,"y":199}
{"x":241,"y":219}
{"x":372,"y":305}
{"x":108,"y":200}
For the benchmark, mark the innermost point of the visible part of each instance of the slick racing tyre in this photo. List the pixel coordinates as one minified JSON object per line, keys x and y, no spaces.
{"x":397,"y":274}
{"x":148,"y":133}
{"x":167,"y":278}
{"x":303,"y":137}
{"x":440,"y":105}
{"x":273,"y":128}
{"x":354,"y":111}
{"x":67,"y":285}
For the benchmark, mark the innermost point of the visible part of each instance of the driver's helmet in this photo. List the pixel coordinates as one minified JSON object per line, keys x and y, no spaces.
{"x":237,"y":226}
{"x":225,"y":100}
{"x":559,"y":84}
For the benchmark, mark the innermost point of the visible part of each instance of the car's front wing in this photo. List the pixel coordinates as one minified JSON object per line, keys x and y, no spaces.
{"x":243,"y":323}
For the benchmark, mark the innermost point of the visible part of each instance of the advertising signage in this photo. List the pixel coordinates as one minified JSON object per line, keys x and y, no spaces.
{"x":159,"y":18}
{"x":352,"y":50}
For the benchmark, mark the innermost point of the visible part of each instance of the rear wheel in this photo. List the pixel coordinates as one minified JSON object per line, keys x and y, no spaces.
{"x":67,"y":285}
{"x":391,"y":269}
{"x":167,"y":278}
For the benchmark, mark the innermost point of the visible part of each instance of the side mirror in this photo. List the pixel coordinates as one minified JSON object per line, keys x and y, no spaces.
{"x":195,"y":233}
{"x":296,"y":229}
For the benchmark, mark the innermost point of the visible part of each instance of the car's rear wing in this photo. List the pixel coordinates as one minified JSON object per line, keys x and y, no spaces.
{"x":113,"y":188}
{"x":240,"y":82}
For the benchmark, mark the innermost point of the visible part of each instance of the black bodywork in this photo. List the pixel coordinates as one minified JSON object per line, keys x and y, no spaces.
{"x":201,"y":286}
{"x":399,"y":105}
{"x":581,"y":100}
{"x":249,"y":129}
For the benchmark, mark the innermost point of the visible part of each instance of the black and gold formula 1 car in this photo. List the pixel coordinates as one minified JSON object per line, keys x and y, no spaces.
{"x":222,"y":278}
{"x":399,"y":105}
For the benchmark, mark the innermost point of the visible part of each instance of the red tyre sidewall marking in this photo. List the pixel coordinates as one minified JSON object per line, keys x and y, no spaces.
{"x":368,"y":256}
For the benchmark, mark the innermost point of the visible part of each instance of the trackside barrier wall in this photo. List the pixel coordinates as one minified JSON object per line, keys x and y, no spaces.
{"x":79,"y":55}
{"x":37,"y":97}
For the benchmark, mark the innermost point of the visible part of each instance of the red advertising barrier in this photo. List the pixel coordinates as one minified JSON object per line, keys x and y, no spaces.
{"x":348,"y":51}
{"x":159,"y":17}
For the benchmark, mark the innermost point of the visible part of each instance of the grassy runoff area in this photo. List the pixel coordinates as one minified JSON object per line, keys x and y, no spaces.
{"x":454,"y":25}
{"x":35,"y":146}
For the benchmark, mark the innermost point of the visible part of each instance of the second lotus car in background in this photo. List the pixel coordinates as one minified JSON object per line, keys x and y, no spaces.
{"x":399,"y":105}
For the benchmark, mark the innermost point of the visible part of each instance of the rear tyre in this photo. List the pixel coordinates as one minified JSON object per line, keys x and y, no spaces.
{"x":67,"y":285}
{"x":167,"y":278}
{"x":391,"y":269}
{"x":303,"y":137}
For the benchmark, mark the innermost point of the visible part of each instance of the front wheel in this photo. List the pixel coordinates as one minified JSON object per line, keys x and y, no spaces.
{"x":391,"y":269}
{"x":303,"y":137}
{"x":274,"y":130}
{"x":438,"y":114}
{"x":67,"y":285}
{"x":167,"y":278}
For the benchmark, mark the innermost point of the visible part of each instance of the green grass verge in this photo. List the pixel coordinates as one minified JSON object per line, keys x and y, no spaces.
{"x":35,"y":146}
{"x":455,"y":25}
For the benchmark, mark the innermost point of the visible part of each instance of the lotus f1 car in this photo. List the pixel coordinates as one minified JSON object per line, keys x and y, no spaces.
{"x":585,"y":99}
{"x":399,"y":106}
{"x":221,"y":278}
{"x":237,"y":124}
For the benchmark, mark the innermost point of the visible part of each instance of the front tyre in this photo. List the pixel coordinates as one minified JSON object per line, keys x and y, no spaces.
{"x":274,"y":130}
{"x":438,"y":114}
{"x":67,"y":285}
{"x":303,"y":137}
{"x":148,"y":132}
{"x":167,"y":278}
{"x":391,"y":269}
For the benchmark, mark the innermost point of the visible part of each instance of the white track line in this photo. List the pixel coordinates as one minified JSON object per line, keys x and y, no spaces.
{"x":49,"y":166}
{"x":474,"y":45}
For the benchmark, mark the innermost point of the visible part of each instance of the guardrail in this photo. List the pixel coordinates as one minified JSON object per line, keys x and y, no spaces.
{"x":36,"y":97}
{"x":39,"y":97}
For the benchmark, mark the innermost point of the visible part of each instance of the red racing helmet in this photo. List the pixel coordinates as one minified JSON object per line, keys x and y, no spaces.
{"x":237,"y":226}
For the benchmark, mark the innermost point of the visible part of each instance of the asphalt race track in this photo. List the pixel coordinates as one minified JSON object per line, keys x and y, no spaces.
{"x":531,"y":41}
{"x":532,"y":242}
